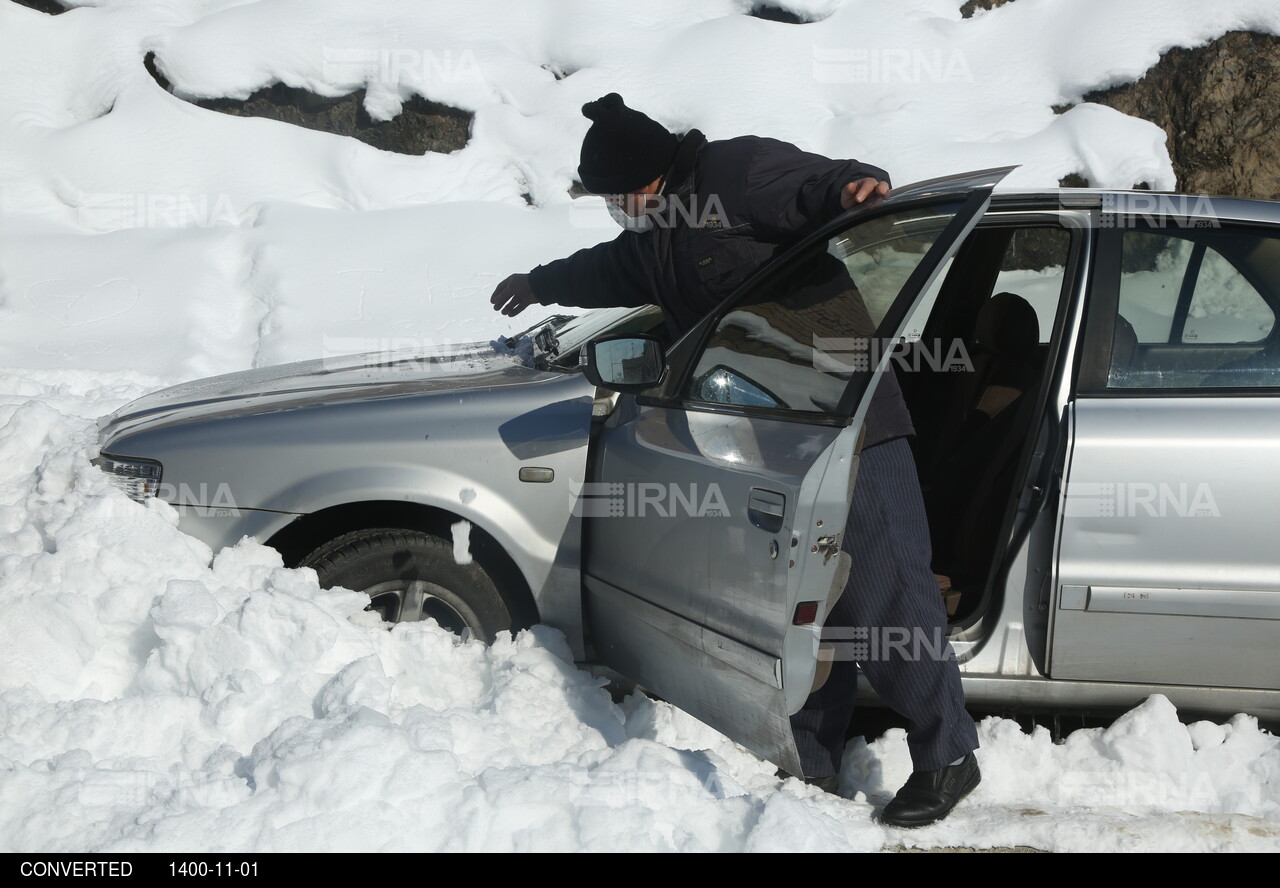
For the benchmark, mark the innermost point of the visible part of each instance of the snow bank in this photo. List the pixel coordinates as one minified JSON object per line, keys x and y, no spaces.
{"x":152,"y":699}
{"x":157,"y":696}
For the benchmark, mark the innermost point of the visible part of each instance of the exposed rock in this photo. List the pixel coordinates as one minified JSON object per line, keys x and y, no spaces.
{"x":559,"y":72}
{"x":421,"y":126}
{"x":776,"y":14}
{"x":52,"y":7}
{"x":1220,"y":106}
{"x":972,"y":6}
{"x":1075,"y":180}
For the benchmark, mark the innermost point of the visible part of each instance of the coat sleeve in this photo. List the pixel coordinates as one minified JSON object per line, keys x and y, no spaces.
{"x":792,"y":192}
{"x":607,"y":275}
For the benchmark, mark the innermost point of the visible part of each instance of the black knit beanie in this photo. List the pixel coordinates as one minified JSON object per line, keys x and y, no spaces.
{"x":623,"y":150}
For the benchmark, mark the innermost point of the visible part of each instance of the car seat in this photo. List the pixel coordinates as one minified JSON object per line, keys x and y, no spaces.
{"x":968,"y":483}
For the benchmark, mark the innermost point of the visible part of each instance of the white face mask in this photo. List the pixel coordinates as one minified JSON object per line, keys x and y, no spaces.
{"x":629,"y":223}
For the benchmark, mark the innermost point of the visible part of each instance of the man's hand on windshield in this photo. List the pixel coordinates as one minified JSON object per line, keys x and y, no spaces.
{"x":513,"y":295}
{"x":861,"y":190}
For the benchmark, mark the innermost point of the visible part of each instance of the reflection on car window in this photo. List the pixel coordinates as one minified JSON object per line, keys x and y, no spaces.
{"x":723,"y":386}
{"x":1153,"y":266}
{"x":797,"y":337}
{"x":1196,"y":309}
{"x":1224,"y":306}
{"x":1033,"y":266}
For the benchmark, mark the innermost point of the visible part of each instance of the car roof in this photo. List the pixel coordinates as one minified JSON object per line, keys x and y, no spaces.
{"x":1141,"y":203}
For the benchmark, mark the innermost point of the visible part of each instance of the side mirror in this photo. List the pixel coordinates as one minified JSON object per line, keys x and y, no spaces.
{"x":624,"y":363}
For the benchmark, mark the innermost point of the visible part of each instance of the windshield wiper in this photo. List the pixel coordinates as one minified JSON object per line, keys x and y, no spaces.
{"x":555,"y":322}
{"x":545,"y":343}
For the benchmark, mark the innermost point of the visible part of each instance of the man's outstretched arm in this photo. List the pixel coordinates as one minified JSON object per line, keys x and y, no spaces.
{"x":606,"y":275}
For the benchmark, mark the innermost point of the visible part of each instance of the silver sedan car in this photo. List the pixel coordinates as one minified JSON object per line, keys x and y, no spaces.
{"x":1094,"y":378}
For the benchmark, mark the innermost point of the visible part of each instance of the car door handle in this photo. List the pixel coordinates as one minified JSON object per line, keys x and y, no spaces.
{"x":766,"y":509}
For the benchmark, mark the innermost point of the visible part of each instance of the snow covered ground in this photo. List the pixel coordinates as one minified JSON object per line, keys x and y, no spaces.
{"x":155,"y":695}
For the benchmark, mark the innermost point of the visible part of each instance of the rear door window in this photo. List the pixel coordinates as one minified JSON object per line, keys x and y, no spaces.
{"x":1196,"y":309}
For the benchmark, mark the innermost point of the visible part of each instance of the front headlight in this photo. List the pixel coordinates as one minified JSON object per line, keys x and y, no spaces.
{"x":139,"y":478}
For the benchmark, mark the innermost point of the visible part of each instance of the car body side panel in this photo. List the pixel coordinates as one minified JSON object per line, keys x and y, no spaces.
{"x":456,"y":450}
{"x":1043,"y":695}
{"x":218,"y":527}
{"x":1162,"y":577}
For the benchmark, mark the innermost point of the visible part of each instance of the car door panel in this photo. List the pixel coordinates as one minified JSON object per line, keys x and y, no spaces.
{"x":711,"y":592}
{"x":1162,"y":578}
{"x":724,"y":637}
{"x":1171,"y":480}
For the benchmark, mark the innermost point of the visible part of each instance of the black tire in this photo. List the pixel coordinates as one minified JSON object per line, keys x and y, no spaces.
{"x":411,"y":575}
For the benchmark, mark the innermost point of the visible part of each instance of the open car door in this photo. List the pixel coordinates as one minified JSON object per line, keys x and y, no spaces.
{"x":712,"y":542}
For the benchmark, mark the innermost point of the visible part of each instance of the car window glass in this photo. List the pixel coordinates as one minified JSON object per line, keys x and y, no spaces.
{"x":1033,"y":268}
{"x":1152,"y":268}
{"x":797,"y":336}
{"x":1224,"y":306}
{"x":1191,"y":314}
{"x":915,"y":324}
{"x":607,"y":321}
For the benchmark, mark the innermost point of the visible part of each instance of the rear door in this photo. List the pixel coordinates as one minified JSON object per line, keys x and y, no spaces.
{"x":718,"y":502}
{"x":1167,"y":567}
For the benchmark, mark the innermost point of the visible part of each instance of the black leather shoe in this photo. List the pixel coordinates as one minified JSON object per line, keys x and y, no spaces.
{"x":929,"y":796}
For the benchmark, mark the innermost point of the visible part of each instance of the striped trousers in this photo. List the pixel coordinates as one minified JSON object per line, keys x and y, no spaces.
{"x":890,"y":621}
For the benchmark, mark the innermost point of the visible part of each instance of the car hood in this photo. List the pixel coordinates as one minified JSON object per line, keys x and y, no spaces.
{"x":327,"y":380}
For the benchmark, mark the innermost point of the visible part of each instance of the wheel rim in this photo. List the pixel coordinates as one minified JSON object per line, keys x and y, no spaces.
{"x":410,"y":601}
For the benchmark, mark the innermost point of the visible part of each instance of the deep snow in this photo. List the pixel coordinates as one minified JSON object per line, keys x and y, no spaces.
{"x":155,"y":695}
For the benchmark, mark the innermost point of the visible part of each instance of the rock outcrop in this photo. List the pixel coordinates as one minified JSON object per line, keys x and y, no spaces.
{"x":421,"y":126}
{"x":52,"y":7}
{"x":1220,"y":106}
{"x":972,"y":6}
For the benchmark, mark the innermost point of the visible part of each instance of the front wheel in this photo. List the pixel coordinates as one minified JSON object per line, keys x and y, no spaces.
{"x":410,"y":575}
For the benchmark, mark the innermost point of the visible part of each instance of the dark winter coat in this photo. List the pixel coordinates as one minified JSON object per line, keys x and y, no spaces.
{"x":730,"y":207}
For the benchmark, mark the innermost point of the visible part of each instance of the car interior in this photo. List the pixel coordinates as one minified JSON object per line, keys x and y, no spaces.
{"x":974,"y":427}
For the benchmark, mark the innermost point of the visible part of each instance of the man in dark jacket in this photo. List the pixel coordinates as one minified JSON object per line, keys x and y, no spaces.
{"x":699,"y":218}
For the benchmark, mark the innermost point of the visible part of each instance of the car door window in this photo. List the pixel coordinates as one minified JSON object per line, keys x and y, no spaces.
{"x":793,"y":341}
{"x":1033,"y":267}
{"x":1153,"y":267}
{"x":1196,"y":309}
{"x":1224,"y":306}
